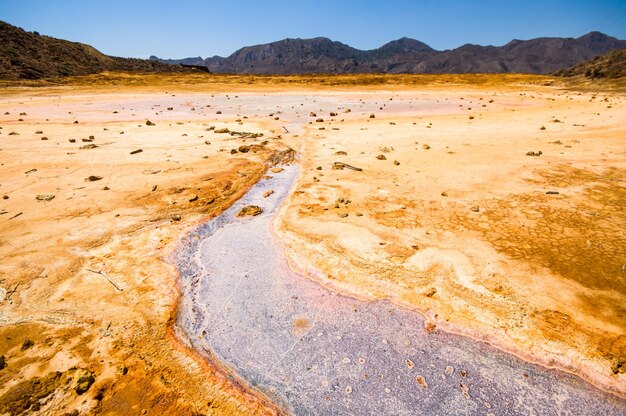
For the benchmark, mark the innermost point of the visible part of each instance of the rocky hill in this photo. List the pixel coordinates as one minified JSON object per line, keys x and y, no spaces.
{"x":29,"y":55}
{"x":322,"y":55}
{"x":609,"y":65}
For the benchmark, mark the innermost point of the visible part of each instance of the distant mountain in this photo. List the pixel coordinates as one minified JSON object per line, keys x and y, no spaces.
{"x":322,"y":55}
{"x":609,"y":65}
{"x":29,"y":55}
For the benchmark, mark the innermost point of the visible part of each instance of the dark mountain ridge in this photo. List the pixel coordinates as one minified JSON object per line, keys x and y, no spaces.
{"x":405,"y":55}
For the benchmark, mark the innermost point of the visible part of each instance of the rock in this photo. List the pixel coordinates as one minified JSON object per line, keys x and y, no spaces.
{"x":421,"y":381}
{"x":276,"y":170}
{"x":341,"y":166}
{"x":44,"y":138}
{"x":149,"y":123}
{"x":531,"y":153}
{"x":244,"y":149}
{"x":332,"y":114}
{"x":134,"y":152}
{"x":381,"y":157}
{"x":176,"y":217}
{"x":218,"y":112}
{"x":319,"y":120}
{"x":444,"y":193}
{"x":87,"y":140}
{"x":312,"y":114}
{"x":39,"y":132}
{"x":45,"y":197}
{"x":343,"y":215}
{"x":319,"y":168}
{"x":193,"y":198}
{"x":89,"y":146}
{"x":224,"y":130}
{"x":233,"y":151}
{"x":92,"y":178}
{"x":3,"y":362}
{"x":426,"y":147}
{"x":72,"y":140}
{"x":207,"y":142}
{"x":552,"y":193}
{"x":14,"y":133}
{"x":250,"y":210}
{"x":395,"y":162}
{"x":268,"y":193}
{"x":372,"y":116}
{"x":84,"y":380}
{"x":27,"y":344}
{"x":5,"y":197}
{"x":341,"y":153}
{"x":471,"y":117}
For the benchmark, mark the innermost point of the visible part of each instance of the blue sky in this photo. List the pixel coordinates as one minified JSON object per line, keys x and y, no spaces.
{"x":176,"y":29}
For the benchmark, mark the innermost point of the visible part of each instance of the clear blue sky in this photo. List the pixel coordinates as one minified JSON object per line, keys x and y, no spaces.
{"x":177,"y":29}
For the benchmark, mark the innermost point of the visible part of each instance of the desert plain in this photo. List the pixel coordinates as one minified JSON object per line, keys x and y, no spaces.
{"x":492,"y":205}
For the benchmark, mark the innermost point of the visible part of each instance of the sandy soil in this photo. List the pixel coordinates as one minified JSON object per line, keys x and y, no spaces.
{"x":83,"y":275}
{"x":458,"y":222}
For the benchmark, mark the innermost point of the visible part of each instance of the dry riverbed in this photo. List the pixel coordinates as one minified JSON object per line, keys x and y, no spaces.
{"x":455,"y":221}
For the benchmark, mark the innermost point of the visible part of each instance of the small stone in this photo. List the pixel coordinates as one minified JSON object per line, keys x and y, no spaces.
{"x":531,"y":153}
{"x":319,"y":120}
{"x":381,"y":157}
{"x":45,"y":197}
{"x":464,"y":390}
{"x":449,"y":370}
{"x":221,"y":131}
{"x":93,"y":178}
{"x":27,"y":344}
{"x":193,"y":198}
{"x":421,"y":381}
{"x":250,"y":210}
{"x":430,"y":292}
{"x":552,"y":193}
{"x":444,"y":193}
{"x":426,"y":147}
{"x":176,"y":217}
{"x":276,"y":170}
{"x":134,"y":152}
{"x":5,"y":197}
{"x":409,"y":363}
{"x":268,"y":193}
{"x":84,"y":380}
{"x":343,"y":215}
{"x":72,"y":140}
{"x":88,"y":146}
{"x":149,"y":123}
{"x":348,"y":389}
{"x":319,"y":168}
{"x":475,"y":208}
{"x":44,"y":138}
{"x":395,"y":162}
{"x":372,"y":115}
{"x":3,"y":362}
{"x":207,"y":142}
{"x":233,"y":151}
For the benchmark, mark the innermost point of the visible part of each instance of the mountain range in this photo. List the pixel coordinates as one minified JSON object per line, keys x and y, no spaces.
{"x":405,"y":55}
{"x":30,"y":55}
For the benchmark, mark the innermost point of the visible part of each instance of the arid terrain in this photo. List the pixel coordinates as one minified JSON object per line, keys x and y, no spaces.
{"x":492,"y":204}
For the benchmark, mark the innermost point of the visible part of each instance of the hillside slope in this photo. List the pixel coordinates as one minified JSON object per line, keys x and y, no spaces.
{"x":29,"y":55}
